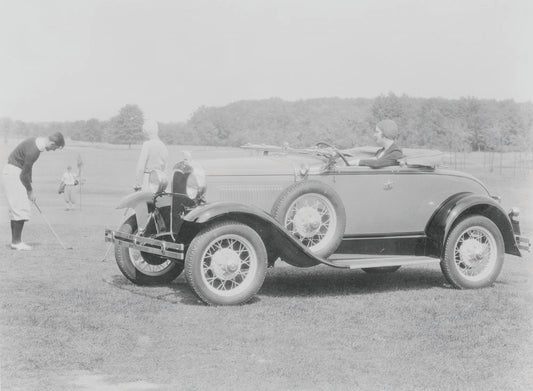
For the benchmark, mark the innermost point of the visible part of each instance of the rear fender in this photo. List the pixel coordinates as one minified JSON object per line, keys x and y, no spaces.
{"x":277,"y":240}
{"x":459,"y":206}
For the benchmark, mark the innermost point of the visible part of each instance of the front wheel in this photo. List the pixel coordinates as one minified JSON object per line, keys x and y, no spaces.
{"x":143,"y":268}
{"x":474,"y":252}
{"x":226,"y":263}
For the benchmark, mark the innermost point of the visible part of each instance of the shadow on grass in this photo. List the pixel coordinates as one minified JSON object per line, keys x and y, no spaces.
{"x":322,"y":281}
{"x":175,"y":292}
{"x":294,"y":282}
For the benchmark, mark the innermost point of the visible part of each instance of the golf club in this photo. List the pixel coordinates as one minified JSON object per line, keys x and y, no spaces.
{"x":51,"y":229}
{"x":111,"y":244}
{"x":107,"y":252}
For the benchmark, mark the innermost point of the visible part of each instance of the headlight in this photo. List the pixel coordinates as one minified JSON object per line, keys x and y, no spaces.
{"x":157,"y":181}
{"x":196,"y":183}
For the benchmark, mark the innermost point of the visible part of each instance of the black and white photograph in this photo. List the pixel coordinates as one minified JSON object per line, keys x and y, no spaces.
{"x":266,"y":195}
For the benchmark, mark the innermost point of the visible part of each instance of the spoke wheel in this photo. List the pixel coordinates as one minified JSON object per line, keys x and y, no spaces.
{"x":314,"y":214}
{"x":146,"y":264}
{"x":474,"y":253}
{"x":226,"y":263}
{"x":143,"y":268}
{"x":312,"y":219}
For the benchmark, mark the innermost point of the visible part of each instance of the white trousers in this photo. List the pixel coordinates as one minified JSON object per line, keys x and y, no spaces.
{"x":69,"y":194}
{"x":17,"y":197}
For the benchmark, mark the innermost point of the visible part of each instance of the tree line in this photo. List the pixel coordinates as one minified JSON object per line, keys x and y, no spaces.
{"x":464,"y":124}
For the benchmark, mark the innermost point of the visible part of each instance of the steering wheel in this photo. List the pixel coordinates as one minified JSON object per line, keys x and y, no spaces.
{"x":322,"y":144}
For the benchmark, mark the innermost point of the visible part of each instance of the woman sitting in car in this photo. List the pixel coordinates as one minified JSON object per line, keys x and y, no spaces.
{"x":386,"y":132}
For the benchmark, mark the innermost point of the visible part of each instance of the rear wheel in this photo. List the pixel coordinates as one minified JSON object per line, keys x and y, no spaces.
{"x":226,"y":263}
{"x":474,"y":253}
{"x":144,"y":268}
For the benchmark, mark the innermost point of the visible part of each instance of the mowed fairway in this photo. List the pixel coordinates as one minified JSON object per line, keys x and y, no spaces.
{"x":72,"y":322}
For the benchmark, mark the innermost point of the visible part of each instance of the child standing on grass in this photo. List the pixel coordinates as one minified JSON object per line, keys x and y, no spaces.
{"x":70,"y":180}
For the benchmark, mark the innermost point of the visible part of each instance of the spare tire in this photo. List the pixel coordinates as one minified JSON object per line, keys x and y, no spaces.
{"x":314,"y":214}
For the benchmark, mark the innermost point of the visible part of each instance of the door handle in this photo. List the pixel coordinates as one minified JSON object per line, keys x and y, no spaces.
{"x":388,"y":185}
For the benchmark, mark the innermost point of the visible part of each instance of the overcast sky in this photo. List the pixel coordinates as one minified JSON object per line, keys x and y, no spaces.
{"x":82,"y":59}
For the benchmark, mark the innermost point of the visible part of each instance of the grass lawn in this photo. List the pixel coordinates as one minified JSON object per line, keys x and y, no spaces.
{"x":69,"y":321}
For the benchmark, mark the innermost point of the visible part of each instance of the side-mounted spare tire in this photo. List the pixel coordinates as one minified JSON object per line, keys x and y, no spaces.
{"x":314,"y":214}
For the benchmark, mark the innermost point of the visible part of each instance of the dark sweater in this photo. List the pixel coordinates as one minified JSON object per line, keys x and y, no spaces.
{"x":23,"y":157}
{"x":390,"y":158}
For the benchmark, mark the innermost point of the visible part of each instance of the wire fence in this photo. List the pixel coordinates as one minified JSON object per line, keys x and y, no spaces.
{"x":504,"y":163}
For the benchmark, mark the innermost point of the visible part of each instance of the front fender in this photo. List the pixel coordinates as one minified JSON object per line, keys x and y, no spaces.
{"x":138,"y":201}
{"x":207,"y":212}
{"x":278,"y":241}
{"x":463,"y":204}
{"x":133,"y":199}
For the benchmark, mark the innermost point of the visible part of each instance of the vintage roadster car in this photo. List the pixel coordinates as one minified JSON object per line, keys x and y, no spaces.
{"x":224,"y":221}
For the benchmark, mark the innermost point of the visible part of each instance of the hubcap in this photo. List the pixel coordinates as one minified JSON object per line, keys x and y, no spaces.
{"x":312,"y":219}
{"x":229,"y":265}
{"x":307,"y":221}
{"x":225,"y":263}
{"x":475,"y":253}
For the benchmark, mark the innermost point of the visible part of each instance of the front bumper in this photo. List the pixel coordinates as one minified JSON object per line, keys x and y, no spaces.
{"x":523,"y":243}
{"x":148,"y":245}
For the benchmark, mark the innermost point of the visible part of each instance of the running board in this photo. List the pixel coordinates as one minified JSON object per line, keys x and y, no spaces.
{"x":359,"y":261}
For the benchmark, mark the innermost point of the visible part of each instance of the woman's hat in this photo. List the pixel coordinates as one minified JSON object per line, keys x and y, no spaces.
{"x":389,"y":128}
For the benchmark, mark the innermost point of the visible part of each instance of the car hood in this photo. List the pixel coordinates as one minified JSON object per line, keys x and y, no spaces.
{"x":260,"y":165}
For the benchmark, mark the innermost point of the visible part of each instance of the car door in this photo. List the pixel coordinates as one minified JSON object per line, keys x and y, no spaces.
{"x":371,"y":200}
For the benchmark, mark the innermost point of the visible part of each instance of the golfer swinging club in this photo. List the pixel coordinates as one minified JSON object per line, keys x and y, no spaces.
{"x":17,"y":177}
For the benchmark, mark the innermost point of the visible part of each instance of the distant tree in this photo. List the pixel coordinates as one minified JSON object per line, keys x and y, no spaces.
{"x":93,"y":130}
{"x":177,"y":133}
{"x":5,"y":127}
{"x":431,"y":125}
{"x":76,"y":129}
{"x":126,"y":127}
{"x":20,"y":129}
{"x":387,"y":107}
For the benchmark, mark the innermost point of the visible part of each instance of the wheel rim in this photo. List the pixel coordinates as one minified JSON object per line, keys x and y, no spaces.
{"x":475,"y":253}
{"x":312,"y":219}
{"x":229,"y":265}
{"x":146,"y":268}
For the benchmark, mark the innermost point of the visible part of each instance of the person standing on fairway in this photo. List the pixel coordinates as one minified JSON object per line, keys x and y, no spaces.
{"x":17,"y":178}
{"x":70,"y":180}
{"x":154,"y":155}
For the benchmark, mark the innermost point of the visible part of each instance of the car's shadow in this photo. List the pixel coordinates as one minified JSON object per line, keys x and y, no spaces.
{"x":294,"y":282}
{"x":324,"y":281}
{"x":176,"y":292}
